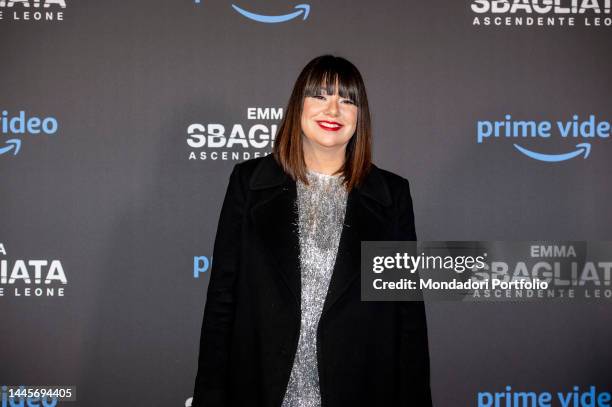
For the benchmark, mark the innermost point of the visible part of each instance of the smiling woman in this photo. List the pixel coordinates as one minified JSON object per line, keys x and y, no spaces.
{"x":284,"y":324}
{"x":327,"y":123}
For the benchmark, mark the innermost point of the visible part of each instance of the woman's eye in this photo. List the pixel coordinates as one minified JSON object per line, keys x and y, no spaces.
{"x":350,"y":102}
{"x":319,"y":97}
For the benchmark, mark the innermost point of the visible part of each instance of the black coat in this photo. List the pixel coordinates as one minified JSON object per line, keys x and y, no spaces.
{"x":369,"y":353}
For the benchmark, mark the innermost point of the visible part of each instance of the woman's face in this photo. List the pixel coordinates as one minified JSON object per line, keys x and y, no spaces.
{"x":328,"y":121}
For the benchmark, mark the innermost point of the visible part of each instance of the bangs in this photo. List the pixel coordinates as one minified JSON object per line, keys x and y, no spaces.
{"x":329,"y":73}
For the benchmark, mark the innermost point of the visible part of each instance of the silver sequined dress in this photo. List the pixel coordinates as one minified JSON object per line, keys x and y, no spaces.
{"x":321,"y":208}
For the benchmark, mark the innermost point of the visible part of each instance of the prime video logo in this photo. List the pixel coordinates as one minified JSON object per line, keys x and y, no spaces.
{"x":8,"y":400}
{"x":299,"y":10}
{"x":581,"y":133}
{"x":200,"y":265}
{"x":577,"y":397}
{"x":20,"y":125}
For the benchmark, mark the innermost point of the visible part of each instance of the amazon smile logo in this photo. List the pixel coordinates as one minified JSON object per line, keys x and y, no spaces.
{"x":298,"y":11}
{"x":580,"y":134}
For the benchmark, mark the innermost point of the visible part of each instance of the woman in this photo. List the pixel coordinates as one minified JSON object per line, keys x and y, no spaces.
{"x":284,"y":324}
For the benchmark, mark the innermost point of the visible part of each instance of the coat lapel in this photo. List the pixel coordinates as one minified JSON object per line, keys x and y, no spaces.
{"x":276,"y":221}
{"x":275,"y":217}
{"x":365,"y":219}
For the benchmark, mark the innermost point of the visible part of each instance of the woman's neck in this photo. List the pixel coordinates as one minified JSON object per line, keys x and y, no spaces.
{"x":324,"y":162}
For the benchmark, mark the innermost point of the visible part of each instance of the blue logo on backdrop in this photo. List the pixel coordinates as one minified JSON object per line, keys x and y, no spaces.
{"x":584,"y":131}
{"x":300,"y":10}
{"x":581,"y":149}
{"x":200,"y":265}
{"x":21,"y":398}
{"x":20,"y":125}
{"x":576,"y":397}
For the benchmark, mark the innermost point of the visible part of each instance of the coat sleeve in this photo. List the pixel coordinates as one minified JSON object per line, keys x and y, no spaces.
{"x":211,"y":384}
{"x":414,"y":371}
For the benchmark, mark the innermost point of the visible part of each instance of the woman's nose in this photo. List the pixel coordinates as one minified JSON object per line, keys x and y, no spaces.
{"x":332,"y":106}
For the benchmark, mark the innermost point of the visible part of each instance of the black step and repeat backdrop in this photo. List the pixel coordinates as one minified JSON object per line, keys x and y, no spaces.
{"x":121,"y":120}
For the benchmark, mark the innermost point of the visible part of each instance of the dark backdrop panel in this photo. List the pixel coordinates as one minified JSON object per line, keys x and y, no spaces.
{"x":114,"y":196}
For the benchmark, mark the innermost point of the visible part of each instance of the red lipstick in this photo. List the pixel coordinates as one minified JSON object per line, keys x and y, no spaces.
{"x":329,"y":125}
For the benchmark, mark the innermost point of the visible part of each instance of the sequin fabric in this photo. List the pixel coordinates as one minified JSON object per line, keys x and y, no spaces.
{"x":321,"y":208}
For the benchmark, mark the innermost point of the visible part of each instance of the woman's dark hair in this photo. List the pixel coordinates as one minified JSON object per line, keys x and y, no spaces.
{"x":324,"y":72}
